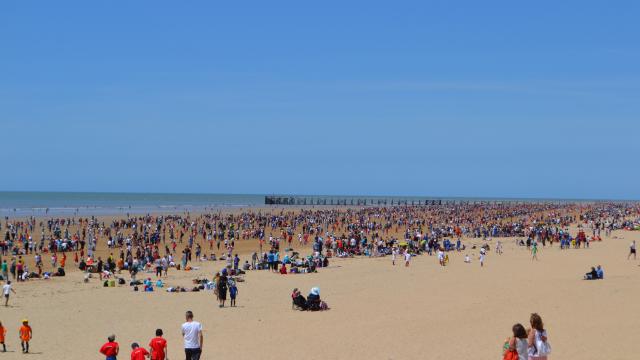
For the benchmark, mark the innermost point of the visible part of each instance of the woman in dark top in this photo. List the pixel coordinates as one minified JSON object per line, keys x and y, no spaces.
{"x":222,"y":289}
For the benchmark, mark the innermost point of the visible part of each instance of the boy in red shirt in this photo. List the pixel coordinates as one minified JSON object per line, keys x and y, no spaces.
{"x":138,"y":353}
{"x":158,"y":347}
{"x":111,"y":348}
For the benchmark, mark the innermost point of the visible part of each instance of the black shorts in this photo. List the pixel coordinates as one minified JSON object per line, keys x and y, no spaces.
{"x":192,"y":354}
{"x":633,"y":251}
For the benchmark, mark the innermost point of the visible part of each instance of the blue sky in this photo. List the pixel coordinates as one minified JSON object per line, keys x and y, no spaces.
{"x":466,"y":98}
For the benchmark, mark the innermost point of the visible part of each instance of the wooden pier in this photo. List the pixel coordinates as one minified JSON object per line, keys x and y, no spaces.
{"x":350,"y":201}
{"x":382,"y":201}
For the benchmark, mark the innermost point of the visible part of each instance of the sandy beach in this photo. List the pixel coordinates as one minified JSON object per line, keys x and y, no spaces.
{"x":378,"y":311}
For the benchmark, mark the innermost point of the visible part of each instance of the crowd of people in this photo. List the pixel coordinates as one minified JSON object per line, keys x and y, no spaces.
{"x":156,"y":244}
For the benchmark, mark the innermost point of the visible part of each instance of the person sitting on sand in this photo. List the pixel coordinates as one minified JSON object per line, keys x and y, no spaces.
{"x":297,"y":300}
{"x":600,"y":272}
{"x":591,"y":275}
{"x":313,"y":300}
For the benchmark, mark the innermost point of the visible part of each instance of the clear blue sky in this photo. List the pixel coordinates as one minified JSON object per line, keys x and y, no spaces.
{"x":464,"y":98}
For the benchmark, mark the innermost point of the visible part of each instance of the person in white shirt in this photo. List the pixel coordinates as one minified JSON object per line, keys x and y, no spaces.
{"x":6,"y":291}
{"x":407,"y":257}
{"x":192,"y":333}
{"x":441,"y":257}
{"x":632,"y":250}
{"x":394,"y":254}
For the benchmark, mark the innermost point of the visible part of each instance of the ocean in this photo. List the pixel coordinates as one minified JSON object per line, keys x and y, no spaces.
{"x":24,"y":203}
{"x":97,"y":203}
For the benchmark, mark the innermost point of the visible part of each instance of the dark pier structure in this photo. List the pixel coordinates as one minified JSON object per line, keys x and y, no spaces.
{"x":379,"y":201}
{"x":348,"y":201}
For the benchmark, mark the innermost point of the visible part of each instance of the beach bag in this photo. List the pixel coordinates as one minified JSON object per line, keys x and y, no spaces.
{"x":510,"y":355}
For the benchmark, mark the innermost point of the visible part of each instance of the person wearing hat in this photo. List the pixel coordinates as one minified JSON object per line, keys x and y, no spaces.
{"x":313,"y":300}
{"x":111,"y":348}
{"x":25,"y":333}
{"x":138,"y":353}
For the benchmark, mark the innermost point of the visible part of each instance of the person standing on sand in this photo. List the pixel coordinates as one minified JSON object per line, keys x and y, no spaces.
{"x":632,"y":250}
{"x":6,"y":291}
{"x":407,"y":258}
{"x":25,"y":333}
{"x":3,"y":335}
{"x":539,"y":347}
{"x":534,"y":251}
{"x":233,"y":290}
{"x":110,"y":349}
{"x":518,"y":343}
{"x":138,"y":353}
{"x":158,"y":347}
{"x":193,"y":339}
{"x":482,"y":254}
{"x":222,"y":288}
{"x":394,"y":254}
{"x":5,"y":270}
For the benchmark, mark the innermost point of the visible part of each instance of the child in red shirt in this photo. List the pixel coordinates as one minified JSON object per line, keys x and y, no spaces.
{"x":158,"y":346}
{"x":138,"y":353}
{"x":111,"y":348}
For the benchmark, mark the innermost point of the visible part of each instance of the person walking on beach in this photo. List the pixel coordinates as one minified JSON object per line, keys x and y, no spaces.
{"x":138,"y":353}
{"x":407,"y":258}
{"x":233,"y":291}
{"x":394,"y":254}
{"x":193,"y":339}
{"x":482,"y":254}
{"x":26,"y":334}
{"x":3,"y":335}
{"x":632,"y":250}
{"x":222,"y":288}
{"x":534,"y":251}
{"x":517,"y":344}
{"x":5,"y":270}
{"x":6,"y":291}
{"x":110,"y":349}
{"x":158,"y":347}
{"x":539,"y":347}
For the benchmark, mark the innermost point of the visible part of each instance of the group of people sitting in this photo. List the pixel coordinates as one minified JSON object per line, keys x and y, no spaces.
{"x":311,"y":303}
{"x":596,"y":273}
